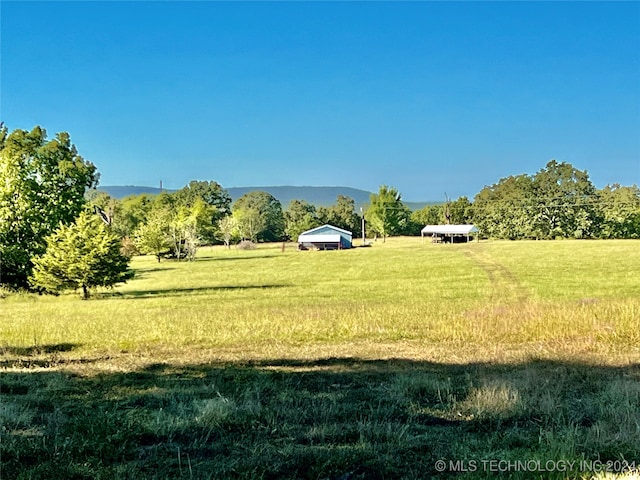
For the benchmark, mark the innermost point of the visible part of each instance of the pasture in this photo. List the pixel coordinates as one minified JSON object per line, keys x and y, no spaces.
{"x":370,"y":363}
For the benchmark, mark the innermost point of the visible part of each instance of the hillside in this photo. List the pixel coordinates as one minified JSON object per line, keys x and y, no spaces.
{"x":122,"y":191}
{"x":319,"y":196}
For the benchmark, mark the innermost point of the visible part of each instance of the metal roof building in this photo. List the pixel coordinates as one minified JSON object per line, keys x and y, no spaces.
{"x":326,"y":237}
{"x":440,"y":231}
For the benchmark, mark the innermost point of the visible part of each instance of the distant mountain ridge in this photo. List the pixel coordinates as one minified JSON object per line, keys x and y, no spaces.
{"x":122,"y":191}
{"x":318,"y":196}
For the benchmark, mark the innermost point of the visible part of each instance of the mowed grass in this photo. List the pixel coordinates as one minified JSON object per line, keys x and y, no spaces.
{"x":231,"y":298}
{"x":367,"y":363}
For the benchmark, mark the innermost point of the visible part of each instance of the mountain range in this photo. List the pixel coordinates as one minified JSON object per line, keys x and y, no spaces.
{"x":318,"y":196}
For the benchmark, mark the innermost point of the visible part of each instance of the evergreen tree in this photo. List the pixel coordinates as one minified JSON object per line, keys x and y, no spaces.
{"x":84,"y":254}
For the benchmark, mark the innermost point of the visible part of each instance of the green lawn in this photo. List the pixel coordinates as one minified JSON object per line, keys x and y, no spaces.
{"x":365,"y":363}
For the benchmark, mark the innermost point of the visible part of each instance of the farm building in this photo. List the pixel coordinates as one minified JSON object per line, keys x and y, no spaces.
{"x":449,"y":233}
{"x":326,"y":237}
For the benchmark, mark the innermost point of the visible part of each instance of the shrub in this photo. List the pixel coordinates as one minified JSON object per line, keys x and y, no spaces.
{"x":246,"y":245}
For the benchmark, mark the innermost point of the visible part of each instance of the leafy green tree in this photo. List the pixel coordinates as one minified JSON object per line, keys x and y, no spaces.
{"x":506,"y":209}
{"x":211,"y":193}
{"x":620,"y":207}
{"x":300,"y":217}
{"x":226,"y":229}
{"x":42,"y":184}
{"x":152,"y":236}
{"x":183,"y":231}
{"x":190,"y":225}
{"x":248,"y":222}
{"x":212,"y":203}
{"x":461,"y":211}
{"x":84,"y":254}
{"x":387,"y":215}
{"x":260,"y":214}
{"x":428,"y":215}
{"x":342,"y":214}
{"x":170,"y":229}
{"x":559,"y":201}
{"x":566,"y":202}
{"x":131,"y":212}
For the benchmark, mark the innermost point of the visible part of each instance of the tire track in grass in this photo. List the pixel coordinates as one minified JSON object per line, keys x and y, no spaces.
{"x":506,"y":287}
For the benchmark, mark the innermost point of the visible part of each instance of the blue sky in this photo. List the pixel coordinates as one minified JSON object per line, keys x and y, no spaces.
{"x":427,"y":97}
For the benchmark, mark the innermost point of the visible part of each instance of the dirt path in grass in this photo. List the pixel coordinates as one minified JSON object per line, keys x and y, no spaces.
{"x":505,"y":285}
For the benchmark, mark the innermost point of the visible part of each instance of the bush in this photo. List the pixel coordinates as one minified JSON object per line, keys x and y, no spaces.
{"x":129,"y":248}
{"x":246,"y":245}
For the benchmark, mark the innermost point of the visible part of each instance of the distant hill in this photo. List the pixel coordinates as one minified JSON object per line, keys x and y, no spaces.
{"x":121,"y":191}
{"x":318,"y":196}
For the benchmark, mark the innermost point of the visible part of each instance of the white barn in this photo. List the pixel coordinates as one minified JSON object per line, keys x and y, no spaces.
{"x":326,"y":237}
{"x":440,"y":232}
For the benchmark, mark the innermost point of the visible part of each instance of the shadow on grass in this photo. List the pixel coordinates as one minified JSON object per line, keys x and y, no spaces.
{"x":144,"y":272}
{"x":39,"y":349}
{"x":331,"y":418}
{"x":40,"y":356}
{"x":175,"y":292}
{"x":233,"y":258}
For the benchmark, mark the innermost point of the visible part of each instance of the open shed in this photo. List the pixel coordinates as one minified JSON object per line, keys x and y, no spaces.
{"x":443,"y":233}
{"x":326,"y":237}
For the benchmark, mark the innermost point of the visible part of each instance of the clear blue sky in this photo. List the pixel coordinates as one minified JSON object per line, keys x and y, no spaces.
{"x":428,"y":97}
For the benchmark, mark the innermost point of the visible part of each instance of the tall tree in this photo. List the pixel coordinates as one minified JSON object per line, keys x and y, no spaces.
{"x":131,"y":212}
{"x":226,"y":229}
{"x":506,"y":209}
{"x":212,"y":202}
{"x":342,"y":214}
{"x":249,"y":223}
{"x":566,"y":202}
{"x":428,"y":215}
{"x":620,"y":207}
{"x":183,"y":231}
{"x":461,"y":211}
{"x":387,"y":215}
{"x":300,"y":217}
{"x":263,"y":212}
{"x":152,"y":236}
{"x":42,"y":184}
{"x":84,"y":255}
{"x":211,"y":193}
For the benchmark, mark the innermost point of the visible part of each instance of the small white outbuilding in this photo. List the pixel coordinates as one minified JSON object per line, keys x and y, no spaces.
{"x":441,"y":233}
{"x":326,"y":237}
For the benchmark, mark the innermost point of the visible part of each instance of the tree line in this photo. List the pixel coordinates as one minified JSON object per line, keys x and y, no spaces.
{"x":52,"y":216}
{"x":559,"y":201}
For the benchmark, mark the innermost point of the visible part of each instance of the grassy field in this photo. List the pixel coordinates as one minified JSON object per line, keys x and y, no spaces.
{"x":518,"y":359}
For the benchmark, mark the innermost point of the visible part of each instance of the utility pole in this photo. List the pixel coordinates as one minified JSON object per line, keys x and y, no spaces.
{"x":363,"y":235}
